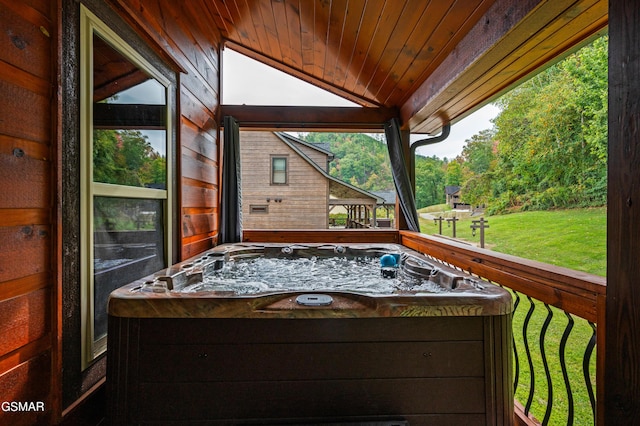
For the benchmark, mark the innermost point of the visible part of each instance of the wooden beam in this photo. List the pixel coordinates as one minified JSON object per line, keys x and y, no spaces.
{"x":129,"y":116}
{"x":622,"y":354}
{"x":352,"y":202}
{"x":481,"y":47}
{"x":502,"y":36}
{"x":334,"y":236}
{"x":308,"y":118}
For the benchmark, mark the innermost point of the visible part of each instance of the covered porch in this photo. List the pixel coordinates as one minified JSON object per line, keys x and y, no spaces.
{"x":422,"y":65}
{"x":360,"y":206}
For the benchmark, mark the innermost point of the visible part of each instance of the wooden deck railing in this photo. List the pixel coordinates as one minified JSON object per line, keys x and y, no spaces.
{"x":548,"y":288}
{"x":534,"y":285}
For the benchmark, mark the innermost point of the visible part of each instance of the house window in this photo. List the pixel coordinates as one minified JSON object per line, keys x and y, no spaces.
{"x":279,"y":171}
{"x":125,"y":158}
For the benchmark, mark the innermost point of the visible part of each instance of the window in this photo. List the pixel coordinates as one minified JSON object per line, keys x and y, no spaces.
{"x":279,"y":170}
{"x":125,"y":158}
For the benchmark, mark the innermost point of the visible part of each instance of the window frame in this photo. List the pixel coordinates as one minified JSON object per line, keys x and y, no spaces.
{"x":90,"y":25}
{"x":286,"y":169}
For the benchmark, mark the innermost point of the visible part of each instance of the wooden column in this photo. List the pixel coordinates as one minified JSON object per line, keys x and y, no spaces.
{"x":622,"y":347}
{"x":375,"y":216}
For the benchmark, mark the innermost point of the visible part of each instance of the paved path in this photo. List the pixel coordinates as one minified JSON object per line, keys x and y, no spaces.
{"x":427,"y":216}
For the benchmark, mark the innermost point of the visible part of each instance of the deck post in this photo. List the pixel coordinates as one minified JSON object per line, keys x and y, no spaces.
{"x":622,"y":346}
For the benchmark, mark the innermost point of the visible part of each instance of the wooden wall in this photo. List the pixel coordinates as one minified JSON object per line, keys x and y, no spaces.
{"x":184,"y":32}
{"x":304,"y":198}
{"x":32,"y":229}
{"x":27,"y":163}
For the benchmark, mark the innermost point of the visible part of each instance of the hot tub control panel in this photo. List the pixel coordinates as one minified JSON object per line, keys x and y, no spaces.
{"x":314,"y":300}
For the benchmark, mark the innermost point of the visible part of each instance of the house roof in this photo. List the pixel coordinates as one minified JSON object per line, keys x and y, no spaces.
{"x":388,"y":197}
{"x":337,"y":188}
{"x":430,"y":61}
{"x":323,"y":147}
{"x":451,"y":189}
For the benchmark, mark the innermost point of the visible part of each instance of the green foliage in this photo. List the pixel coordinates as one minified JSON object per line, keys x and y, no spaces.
{"x":453,"y":176}
{"x":430,"y":178}
{"x":435,"y":208}
{"x":360,"y":159}
{"x":125,"y":214}
{"x":478,"y":163}
{"x":363,"y":161}
{"x":125,"y":157}
{"x":549,"y":146}
{"x":338,"y":219}
{"x":478,"y":153}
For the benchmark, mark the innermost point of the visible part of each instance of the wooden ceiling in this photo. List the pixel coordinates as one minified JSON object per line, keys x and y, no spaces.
{"x":427,"y":58}
{"x":113,"y":73}
{"x":373,"y":51}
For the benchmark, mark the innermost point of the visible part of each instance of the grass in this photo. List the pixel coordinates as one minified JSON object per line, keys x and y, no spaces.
{"x":574,"y":354}
{"x":438,"y":208}
{"x":575,"y":239}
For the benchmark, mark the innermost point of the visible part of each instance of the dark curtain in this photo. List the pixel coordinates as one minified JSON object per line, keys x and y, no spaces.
{"x":231,"y":208}
{"x":400,"y":174}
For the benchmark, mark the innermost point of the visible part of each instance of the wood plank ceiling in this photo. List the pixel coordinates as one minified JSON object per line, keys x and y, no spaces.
{"x":384,"y":52}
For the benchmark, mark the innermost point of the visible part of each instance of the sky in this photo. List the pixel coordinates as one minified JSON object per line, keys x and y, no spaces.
{"x":149,"y":92}
{"x":246,"y":81}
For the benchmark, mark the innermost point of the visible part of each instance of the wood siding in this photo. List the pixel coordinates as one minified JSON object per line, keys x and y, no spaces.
{"x":183,"y":31}
{"x":27,"y":165}
{"x":304,"y":198}
{"x":31,"y":169}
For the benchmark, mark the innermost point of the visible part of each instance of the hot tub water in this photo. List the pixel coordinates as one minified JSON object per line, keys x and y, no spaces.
{"x":261,"y":274}
{"x":250,"y":269}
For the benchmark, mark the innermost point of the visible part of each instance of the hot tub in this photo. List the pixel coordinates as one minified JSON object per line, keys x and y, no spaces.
{"x":202,"y":342}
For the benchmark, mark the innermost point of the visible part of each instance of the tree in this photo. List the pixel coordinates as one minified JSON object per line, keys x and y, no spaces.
{"x":552,"y":136}
{"x":478,"y":163}
{"x":359,"y":159}
{"x":478,"y":152}
{"x":125,"y":157}
{"x":453,"y":175}
{"x":430,"y":177}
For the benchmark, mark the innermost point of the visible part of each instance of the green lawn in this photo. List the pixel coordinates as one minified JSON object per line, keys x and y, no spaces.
{"x":574,"y":239}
